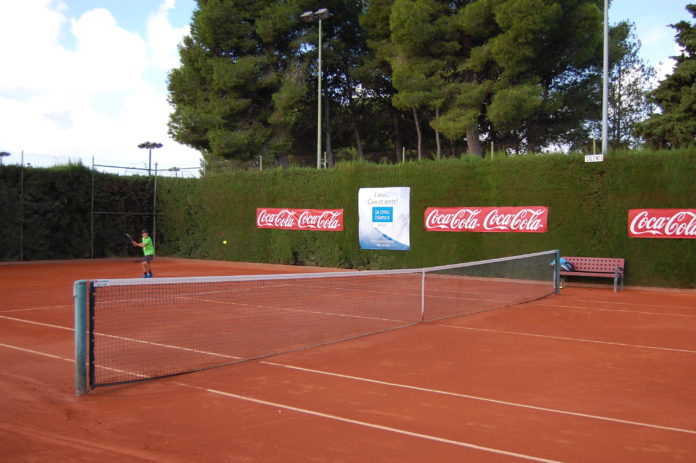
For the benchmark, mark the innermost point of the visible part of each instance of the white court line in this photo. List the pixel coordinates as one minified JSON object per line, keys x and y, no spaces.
{"x":43,"y":354}
{"x":37,"y":323}
{"x":371,"y":425}
{"x":562,"y":338}
{"x":482,"y":399}
{"x":140,"y":341}
{"x":294,"y":310}
{"x":618,"y":310}
{"x":637,"y":303}
{"x":333,"y":417}
{"x":36,"y":308}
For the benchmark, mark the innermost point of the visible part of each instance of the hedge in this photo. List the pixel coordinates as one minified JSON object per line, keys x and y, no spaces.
{"x":588,"y":206}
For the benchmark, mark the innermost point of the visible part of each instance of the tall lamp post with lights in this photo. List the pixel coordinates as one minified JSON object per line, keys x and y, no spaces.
{"x":149,"y":146}
{"x":310,"y":16}
{"x":3,"y":154}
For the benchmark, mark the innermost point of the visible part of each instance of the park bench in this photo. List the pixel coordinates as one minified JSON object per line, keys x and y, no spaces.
{"x":607,"y":267}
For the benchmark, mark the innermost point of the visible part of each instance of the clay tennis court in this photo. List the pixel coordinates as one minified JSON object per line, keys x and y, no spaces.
{"x":587,"y":375}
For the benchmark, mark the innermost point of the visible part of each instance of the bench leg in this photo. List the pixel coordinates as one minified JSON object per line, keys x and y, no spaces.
{"x":617,"y":275}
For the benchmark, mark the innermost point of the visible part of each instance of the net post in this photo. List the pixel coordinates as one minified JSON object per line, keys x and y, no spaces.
{"x":80,"y":295}
{"x":557,"y":272}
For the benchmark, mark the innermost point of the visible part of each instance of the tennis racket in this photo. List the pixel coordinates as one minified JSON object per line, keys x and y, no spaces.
{"x":130,"y":238}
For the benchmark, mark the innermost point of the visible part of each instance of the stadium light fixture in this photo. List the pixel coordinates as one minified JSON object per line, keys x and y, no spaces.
{"x":311,"y":16}
{"x":3,"y":154}
{"x":149,"y":146}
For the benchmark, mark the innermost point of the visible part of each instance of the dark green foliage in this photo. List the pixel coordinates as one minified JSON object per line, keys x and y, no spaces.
{"x":675,"y":125}
{"x":46,"y":213}
{"x":588,"y":212}
{"x":437,"y":77}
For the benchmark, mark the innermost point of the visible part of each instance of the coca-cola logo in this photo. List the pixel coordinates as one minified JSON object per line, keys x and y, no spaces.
{"x":487,"y":219}
{"x":300,"y":219}
{"x":662,"y":223}
{"x":462,"y":219}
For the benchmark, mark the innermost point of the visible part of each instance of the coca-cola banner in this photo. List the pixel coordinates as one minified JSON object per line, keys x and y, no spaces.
{"x":300,"y":219}
{"x":662,"y":223}
{"x":530,"y":219}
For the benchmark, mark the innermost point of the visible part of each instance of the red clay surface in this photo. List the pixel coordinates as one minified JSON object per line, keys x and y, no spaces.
{"x":585,"y":376}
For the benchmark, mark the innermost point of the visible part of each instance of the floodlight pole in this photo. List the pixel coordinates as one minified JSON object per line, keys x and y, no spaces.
{"x":605,"y":81}
{"x":309,"y":16}
{"x":149,"y":146}
{"x":319,"y":102}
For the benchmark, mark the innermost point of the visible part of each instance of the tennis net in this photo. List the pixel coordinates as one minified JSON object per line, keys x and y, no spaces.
{"x":136,"y":329}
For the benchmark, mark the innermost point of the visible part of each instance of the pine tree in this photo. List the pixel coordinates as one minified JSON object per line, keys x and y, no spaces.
{"x":676,"y":96}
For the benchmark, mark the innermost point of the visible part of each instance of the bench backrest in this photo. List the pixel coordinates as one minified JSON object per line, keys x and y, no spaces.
{"x":595,"y":264}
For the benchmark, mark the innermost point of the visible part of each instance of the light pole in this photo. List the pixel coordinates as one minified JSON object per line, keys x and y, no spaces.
{"x":310,"y":16}
{"x":2,"y":155}
{"x":149,"y":146}
{"x":605,"y":83}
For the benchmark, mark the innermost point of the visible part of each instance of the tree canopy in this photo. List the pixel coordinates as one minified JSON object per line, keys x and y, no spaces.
{"x":419,"y":77}
{"x":675,"y":126}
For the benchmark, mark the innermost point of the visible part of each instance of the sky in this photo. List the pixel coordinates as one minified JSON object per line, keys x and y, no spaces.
{"x":86,"y":80}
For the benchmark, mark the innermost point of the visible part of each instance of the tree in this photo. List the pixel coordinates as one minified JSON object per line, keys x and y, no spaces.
{"x":547,"y":53}
{"x":521,"y":72}
{"x":629,"y":82}
{"x":375,"y":71}
{"x":344,"y":52}
{"x":421,"y":39}
{"x":676,"y":96}
{"x":237,"y":92}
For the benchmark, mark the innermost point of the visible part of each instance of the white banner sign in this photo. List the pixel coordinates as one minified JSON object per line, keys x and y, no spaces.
{"x":384,"y":218}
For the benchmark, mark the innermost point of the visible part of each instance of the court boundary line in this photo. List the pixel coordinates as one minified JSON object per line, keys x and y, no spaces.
{"x":43,"y":354}
{"x":483,"y":399}
{"x":369,"y":425}
{"x":417,"y":388}
{"x":564,"y":338}
{"x":636,"y":303}
{"x":48,"y":307}
{"x":332,"y":417}
{"x":621,"y":310}
{"x":31,"y":322}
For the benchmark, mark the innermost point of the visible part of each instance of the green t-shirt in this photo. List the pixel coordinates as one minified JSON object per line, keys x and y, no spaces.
{"x":149,"y":248}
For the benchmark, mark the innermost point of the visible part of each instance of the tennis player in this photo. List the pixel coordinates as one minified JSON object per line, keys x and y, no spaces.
{"x":148,"y":253}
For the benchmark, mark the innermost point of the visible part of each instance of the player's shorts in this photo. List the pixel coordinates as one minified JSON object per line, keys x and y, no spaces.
{"x":148,"y":258}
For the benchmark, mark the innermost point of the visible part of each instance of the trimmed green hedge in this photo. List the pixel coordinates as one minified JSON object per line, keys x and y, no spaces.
{"x":588,"y":212}
{"x":588,"y":205}
{"x":47,"y":213}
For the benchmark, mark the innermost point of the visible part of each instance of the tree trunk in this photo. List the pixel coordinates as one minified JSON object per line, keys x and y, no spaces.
{"x":397,"y":137}
{"x":358,"y":142}
{"x":283,"y":160}
{"x":420,"y":137}
{"x":473,"y":141}
{"x":437,"y":134}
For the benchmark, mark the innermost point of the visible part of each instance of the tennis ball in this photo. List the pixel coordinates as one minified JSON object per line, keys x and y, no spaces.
{"x":224,"y":241}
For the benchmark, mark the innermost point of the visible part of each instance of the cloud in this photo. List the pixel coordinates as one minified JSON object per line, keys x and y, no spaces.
{"x":99,"y":95}
{"x":163,"y":39}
